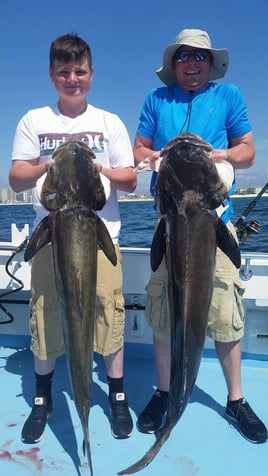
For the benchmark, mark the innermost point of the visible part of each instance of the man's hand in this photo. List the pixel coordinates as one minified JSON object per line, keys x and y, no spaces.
{"x":219,"y":154}
{"x":149,"y":163}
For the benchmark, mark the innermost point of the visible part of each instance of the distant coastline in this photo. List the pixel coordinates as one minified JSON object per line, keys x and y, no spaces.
{"x":147,"y":198}
{"x":127,"y":198}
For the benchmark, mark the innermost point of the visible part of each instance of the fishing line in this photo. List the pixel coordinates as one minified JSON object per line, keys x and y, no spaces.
{"x":11,"y":291}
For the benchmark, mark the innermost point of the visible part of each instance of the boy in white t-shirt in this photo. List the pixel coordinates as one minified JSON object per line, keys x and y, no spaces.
{"x":38,"y":134}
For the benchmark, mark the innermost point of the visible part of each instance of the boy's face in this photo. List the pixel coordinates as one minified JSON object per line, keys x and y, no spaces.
{"x":72,"y":79}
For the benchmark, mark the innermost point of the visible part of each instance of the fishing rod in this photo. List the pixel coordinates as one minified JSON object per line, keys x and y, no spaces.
{"x":244,"y":229}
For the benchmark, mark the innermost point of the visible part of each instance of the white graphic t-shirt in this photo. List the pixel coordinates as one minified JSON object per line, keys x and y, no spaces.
{"x":41,"y":131}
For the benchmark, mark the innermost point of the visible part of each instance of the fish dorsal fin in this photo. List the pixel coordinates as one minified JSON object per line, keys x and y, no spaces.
{"x":158,"y":248}
{"x":40,"y":237}
{"x":105,"y":242}
{"x":227,"y":243}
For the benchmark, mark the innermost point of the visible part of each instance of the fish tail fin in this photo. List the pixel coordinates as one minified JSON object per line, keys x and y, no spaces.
{"x":162,"y":436}
{"x":86,"y":449}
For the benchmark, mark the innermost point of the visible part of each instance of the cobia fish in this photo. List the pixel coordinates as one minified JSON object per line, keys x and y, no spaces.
{"x":71,"y":192}
{"x":187,"y":191}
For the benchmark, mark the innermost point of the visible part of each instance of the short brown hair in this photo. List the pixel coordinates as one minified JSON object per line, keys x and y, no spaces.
{"x":69,"y":47}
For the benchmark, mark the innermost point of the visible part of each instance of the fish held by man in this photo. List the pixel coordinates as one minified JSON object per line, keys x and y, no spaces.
{"x":187,"y":192}
{"x":72,"y":191}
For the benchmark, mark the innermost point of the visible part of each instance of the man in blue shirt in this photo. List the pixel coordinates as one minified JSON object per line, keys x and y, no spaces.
{"x":192,"y":102}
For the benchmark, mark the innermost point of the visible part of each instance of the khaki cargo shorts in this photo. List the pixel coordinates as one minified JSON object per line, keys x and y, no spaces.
{"x":45,"y":323}
{"x":226,"y":315}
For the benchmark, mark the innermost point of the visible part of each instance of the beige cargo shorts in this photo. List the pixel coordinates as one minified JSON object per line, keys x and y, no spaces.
{"x":45,"y":322}
{"x":226,"y":315}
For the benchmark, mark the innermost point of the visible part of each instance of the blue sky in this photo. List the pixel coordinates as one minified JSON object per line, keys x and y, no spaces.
{"x":127,"y":41}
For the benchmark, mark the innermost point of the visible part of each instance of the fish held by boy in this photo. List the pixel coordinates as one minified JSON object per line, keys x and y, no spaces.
{"x":71,"y":192}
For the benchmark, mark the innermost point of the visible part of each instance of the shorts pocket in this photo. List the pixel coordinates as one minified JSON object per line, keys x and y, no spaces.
{"x":119,"y":317}
{"x":110,"y":314}
{"x":156,"y":305}
{"x":238,"y":310}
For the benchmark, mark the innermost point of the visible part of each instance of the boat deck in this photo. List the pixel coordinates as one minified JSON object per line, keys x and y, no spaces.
{"x":202,"y":443}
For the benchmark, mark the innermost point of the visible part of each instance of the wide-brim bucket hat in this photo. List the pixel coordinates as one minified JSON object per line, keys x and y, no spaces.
{"x":198,"y":39}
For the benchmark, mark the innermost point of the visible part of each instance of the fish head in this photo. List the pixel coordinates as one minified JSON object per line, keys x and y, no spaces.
{"x":187,"y":170}
{"x":73,"y":179}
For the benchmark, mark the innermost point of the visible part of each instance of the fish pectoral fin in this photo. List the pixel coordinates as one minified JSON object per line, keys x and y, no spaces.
{"x":40,"y":237}
{"x":227,"y":243}
{"x":105,"y":242}
{"x":158,"y":247}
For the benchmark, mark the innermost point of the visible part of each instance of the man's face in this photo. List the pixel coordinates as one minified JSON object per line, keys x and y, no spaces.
{"x":72,"y":79}
{"x":192,"y":70}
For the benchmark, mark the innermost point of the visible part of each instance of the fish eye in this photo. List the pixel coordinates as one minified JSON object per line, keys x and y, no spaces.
{"x":52,"y":169}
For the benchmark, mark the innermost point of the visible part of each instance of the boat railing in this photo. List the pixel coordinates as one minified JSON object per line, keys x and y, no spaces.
{"x":248,"y":260}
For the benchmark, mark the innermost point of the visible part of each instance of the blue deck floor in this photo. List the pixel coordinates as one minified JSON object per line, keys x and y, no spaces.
{"x":202,"y":443}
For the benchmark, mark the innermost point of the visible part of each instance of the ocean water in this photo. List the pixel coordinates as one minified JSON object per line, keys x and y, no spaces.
{"x":139,"y":218}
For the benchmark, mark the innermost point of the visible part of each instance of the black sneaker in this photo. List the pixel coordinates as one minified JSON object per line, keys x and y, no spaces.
{"x":122,"y":425}
{"x":34,"y":427}
{"x":152,"y":417}
{"x":246,"y":421}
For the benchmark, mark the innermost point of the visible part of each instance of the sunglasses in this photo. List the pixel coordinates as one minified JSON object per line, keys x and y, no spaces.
{"x":184,"y":56}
